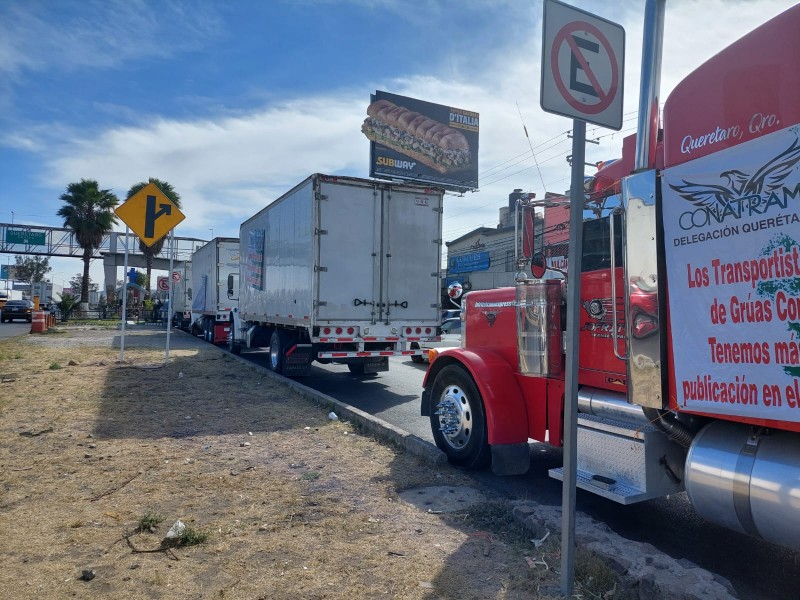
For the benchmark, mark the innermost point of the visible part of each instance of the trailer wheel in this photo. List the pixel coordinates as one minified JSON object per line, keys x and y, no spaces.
{"x":233,"y":345}
{"x":458,"y":419}
{"x":414,"y":358}
{"x":356,"y":368}
{"x":276,"y":351}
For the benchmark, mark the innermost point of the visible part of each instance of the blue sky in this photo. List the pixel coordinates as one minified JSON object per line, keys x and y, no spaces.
{"x":235,"y":102}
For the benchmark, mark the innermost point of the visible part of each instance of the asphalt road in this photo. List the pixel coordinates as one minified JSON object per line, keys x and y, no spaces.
{"x":758,"y":570}
{"x":14,"y":328}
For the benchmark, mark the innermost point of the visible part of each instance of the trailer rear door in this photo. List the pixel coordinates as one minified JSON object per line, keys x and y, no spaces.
{"x":412,"y":254}
{"x":348,"y":265}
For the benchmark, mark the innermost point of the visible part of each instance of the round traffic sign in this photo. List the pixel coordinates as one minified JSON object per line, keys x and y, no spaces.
{"x":603,"y":82}
{"x":162,"y":284}
{"x":176,"y":277}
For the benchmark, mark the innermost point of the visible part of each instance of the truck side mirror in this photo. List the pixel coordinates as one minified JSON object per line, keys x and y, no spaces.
{"x":230,"y":285}
{"x":538,"y":265}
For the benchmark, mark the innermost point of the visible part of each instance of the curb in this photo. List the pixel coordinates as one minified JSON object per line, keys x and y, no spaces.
{"x":377,"y":427}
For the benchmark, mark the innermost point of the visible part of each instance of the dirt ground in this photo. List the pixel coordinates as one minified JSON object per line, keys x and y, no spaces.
{"x":291,"y":504}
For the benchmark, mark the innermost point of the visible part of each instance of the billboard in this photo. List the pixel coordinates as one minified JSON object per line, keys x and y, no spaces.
{"x":422,"y":142}
{"x":467,"y":263}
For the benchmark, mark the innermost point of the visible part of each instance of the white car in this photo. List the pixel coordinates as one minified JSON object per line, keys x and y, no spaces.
{"x":450,"y":338}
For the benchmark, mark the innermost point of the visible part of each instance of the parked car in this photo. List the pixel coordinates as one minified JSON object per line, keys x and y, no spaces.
{"x":17,"y":309}
{"x":450,"y":338}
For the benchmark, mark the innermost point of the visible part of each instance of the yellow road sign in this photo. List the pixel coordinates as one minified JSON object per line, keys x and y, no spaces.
{"x":150,"y":214}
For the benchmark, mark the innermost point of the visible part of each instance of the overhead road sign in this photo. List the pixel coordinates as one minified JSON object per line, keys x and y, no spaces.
{"x":150,"y":214}
{"x":583,"y":60}
{"x":25,"y":236}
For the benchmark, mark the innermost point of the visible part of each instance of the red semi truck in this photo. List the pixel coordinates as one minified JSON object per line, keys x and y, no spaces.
{"x":689,"y":318}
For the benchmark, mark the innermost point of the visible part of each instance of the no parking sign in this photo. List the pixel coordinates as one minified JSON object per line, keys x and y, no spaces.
{"x":583,"y":60}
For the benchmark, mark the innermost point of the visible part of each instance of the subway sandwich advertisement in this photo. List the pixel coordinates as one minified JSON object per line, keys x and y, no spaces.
{"x":422,"y":142}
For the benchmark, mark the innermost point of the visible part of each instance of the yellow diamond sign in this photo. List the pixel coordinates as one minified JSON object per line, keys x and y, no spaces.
{"x":150,"y":214}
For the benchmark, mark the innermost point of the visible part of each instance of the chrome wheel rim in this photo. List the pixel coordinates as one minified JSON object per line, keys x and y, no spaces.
{"x":455,"y":417}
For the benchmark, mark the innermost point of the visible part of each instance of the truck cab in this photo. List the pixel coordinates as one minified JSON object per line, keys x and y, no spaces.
{"x":688,"y":361}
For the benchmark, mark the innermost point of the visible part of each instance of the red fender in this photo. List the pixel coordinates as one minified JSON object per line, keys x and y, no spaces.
{"x":506,"y":415}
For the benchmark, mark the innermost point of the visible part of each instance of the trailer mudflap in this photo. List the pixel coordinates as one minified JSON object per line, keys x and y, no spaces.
{"x":376,"y":364}
{"x":625,"y":463}
{"x":297,"y":362}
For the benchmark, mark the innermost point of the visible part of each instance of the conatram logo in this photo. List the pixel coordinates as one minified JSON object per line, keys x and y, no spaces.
{"x":739,"y":194}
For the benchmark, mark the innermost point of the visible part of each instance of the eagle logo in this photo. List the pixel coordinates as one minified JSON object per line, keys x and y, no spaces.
{"x":597,"y":308}
{"x":490,"y":318}
{"x":738,"y":184}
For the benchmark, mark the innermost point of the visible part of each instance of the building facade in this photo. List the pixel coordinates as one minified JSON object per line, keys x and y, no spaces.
{"x":484,"y":258}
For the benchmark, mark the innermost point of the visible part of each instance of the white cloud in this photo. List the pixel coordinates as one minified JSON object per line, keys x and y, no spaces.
{"x":97,"y":33}
{"x":228,"y":167}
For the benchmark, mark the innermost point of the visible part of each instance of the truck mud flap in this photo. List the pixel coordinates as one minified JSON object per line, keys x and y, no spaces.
{"x":297,"y":361}
{"x":511,"y":459}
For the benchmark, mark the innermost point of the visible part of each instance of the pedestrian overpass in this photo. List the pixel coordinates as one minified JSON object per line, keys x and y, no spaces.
{"x":17,"y":238}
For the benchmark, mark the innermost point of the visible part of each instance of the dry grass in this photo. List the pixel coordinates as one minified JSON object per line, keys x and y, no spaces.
{"x":99,"y":459}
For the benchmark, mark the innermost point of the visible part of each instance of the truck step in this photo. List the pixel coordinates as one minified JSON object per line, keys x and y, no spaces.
{"x":625,"y":463}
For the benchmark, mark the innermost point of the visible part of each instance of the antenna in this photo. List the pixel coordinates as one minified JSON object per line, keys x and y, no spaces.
{"x":538,"y":170}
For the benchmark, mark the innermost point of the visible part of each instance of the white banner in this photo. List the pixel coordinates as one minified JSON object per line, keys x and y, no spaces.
{"x":732,"y":235}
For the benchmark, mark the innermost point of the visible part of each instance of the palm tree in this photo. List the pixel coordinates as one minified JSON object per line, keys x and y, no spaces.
{"x":150,"y":252}
{"x":89,"y":212}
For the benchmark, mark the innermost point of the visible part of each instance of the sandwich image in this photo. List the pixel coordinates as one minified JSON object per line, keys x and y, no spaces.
{"x":419,"y":137}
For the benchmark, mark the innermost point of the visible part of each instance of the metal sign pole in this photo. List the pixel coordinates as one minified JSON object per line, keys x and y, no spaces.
{"x":124,"y":300}
{"x":169,"y":297}
{"x":568,"y":493}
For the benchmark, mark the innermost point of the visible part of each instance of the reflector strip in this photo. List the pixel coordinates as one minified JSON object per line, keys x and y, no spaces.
{"x":291,"y":350}
{"x":366,"y":354}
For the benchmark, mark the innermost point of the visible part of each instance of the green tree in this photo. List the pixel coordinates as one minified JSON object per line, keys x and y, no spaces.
{"x":150,"y":252}
{"x":89,"y":212}
{"x":76,"y":283}
{"x":31,"y":269}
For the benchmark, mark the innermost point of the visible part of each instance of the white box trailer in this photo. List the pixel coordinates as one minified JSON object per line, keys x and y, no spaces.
{"x":211,"y":305}
{"x":341,"y":270}
{"x":182,"y":295}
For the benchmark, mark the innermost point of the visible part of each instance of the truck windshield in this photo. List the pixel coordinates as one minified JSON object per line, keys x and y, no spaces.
{"x":596,"y":244}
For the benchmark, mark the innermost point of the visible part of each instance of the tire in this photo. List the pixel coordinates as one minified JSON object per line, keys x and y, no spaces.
{"x":208,"y":330}
{"x":416,"y":359}
{"x":277,"y":347}
{"x":464,"y":439}
{"x":233,"y":345}
{"x":356,"y":368}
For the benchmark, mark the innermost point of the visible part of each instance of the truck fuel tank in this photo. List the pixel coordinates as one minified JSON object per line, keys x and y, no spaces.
{"x":747,"y":482}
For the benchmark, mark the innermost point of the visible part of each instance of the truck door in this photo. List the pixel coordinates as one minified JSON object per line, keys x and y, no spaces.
{"x":411,"y":255}
{"x":349,"y":252}
{"x":598,"y":364}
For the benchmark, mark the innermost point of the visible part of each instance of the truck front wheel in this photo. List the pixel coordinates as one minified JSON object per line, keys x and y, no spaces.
{"x":458,"y":420}
{"x":276,"y":351}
